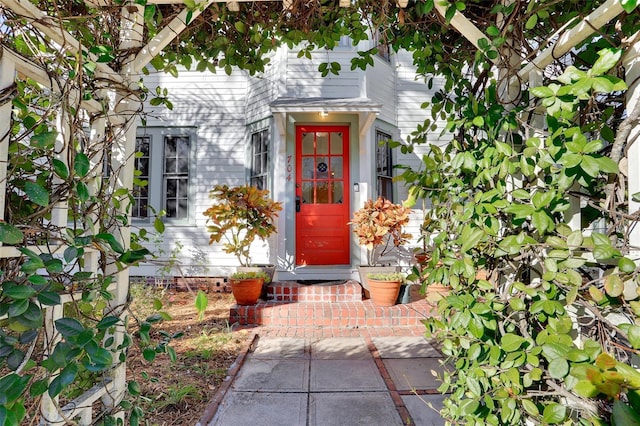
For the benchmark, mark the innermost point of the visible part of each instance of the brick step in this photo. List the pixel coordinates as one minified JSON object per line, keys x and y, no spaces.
{"x":358,"y":314}
{"x":291,"y":291}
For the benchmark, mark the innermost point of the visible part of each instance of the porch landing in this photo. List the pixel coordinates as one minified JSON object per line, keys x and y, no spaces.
{"x":336,"y":307}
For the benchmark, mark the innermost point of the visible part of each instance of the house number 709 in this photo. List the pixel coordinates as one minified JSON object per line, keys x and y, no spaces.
{"x":289,"y":167}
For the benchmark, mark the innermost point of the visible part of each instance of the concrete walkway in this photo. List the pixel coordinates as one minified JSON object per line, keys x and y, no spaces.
{"x":290,"y":381}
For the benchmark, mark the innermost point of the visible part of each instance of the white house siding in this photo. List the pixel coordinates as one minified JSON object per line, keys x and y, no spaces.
{"x":381,"y":88}
{"x":303,"y":80}
{"x":215,"y":104}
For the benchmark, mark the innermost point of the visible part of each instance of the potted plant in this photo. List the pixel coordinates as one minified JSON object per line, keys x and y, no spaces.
{"x":379,"y":227}
{"x":385,"y":287}
{"x":247,"y":286}
{"x":239,"y":216}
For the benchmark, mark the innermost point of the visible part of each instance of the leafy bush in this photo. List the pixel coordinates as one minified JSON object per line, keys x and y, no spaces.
{"x":541,"y":339}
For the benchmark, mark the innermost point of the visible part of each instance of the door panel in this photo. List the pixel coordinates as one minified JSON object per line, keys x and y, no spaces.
{"x":322,"y":195}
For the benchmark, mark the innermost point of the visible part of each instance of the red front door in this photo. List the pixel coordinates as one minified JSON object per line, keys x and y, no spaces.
{"x":322,"y":195}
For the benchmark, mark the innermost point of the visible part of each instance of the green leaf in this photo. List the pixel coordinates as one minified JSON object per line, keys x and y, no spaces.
{"x":36,"y":193}
{"x":134,"y":388}
{"x":626,"y":265}
{"x":201,"y":304}
{"x":66,"y":377}
{"x":530,"y":407}
{"x":9,"y":234}
{"x":629,"y":5}
{"x":44,"y":139}
{"x":613,"y":285}
{"x":531,"y":22}
{"x":111,"y":240}
{"x":558,"y":368}
{"x":633,"y":333}
{"x":38,"y":387}
{"x":60,"y":168}
{"x":49,"y":298}
{"x":608,"y":58}
{"x":81,"y":164}
{"x":158,"y":225}
{"x":511,"y":342}
{"x":69,"y":327}
{"x":107,"y":322}
{"x":83,"y":191}
{"x":19,"y":292}
{"x":623,"y":415}
{"x":149,"y":354}
{"x":554,"y":413}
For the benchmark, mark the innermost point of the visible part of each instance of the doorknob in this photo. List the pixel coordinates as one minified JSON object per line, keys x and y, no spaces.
{"x":297,"y":204}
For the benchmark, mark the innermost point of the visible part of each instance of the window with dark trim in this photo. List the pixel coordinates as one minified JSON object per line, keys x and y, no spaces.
{"x":384,"y":166}
{"x":141,"y":185}
{"x":176,"y":176}
{"x":259,"y":167}
{"x":162,"y":175}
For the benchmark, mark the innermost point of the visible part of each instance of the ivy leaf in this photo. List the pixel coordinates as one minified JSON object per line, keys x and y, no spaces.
{"x":558,"y":368}
{"x":81,"y":164}
{"x":554,"y":413}
{"x":107,"y":322}
{"x":64,"y":379}
{"x":633,"y":333}
{"x":37,"y":193}
{"x":608,"y":59}
{"x":9,"y":234}
{"x":60,"y":168}
{"x":44,"y":139}
{"x":629,"y":5}
{"x":613,"y":285}
{"x":69,"y":327}
{"x":19,"y":292}
{"x":624,"y":415}
{"x":511,"y":342}
{"x":111,"y":240}
{"x":83,"y":191}
{"x":49,"y":298}
{"x":626,"y":265}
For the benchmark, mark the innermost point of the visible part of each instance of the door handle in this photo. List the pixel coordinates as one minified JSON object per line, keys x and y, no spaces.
{"x":297,"y":204}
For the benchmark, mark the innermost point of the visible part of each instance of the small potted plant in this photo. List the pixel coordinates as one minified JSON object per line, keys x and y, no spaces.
{"x":239,"y":216}
{"x":379,"y":227}
{"x":247,"y":286}
{"x":385,"y":287}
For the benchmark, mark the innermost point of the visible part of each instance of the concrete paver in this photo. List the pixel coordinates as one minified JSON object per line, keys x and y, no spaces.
{"x":414,"y":373}
{"x":340,"y":348}
{"x":277,"y":375}
{"x":424,"y":409}
{"x":281,"y":347}
{"x":353,"y":408}
{"x":310,"y":381}
{"x":262,"y":409}
{"x":404,"y":347}
{"x":345,"y":375}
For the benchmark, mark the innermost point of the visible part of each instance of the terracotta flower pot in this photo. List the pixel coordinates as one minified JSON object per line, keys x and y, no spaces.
{"x":384,"y":293}
{"x":246,"y":291}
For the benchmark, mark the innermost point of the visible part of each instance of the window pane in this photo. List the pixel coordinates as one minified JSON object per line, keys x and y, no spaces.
{"x":142,"y":162}
{"x":322,"y":192}
{"x":338,"y":193}
{"x":307,"y":143}
{"x":259,"y":157}
{"x":307,"y":192}
{"x":307,"y":168}
{"x":322,"y":143}
{"x":384,"y":166}
{"x":336,"y":143}
{"x":177,"y":151}
{"x":336,"y":167}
